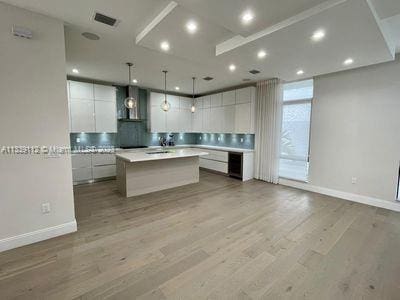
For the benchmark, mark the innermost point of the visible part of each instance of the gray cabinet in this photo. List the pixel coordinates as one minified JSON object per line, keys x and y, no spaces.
{"x":87,"y":167}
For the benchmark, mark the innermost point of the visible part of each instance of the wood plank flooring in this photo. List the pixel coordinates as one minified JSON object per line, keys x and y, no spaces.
{"x":218,"y":239}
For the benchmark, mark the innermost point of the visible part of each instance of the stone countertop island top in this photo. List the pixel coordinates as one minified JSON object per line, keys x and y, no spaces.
{"x":158,"y":154}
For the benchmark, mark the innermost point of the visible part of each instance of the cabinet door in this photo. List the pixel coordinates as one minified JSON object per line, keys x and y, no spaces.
{"x":206,"y":102}
{"x":185,"y":103}
{"x":206,"y":120}
{"x":229,"y":98}
{"x":82,"y":115}
{"x":229,"y":119}
{"x":243,"y":118}
{"x":173,"y":101}
{"x":81,"y":160}
{"x":156,"y":99}
{"x":104,"y":171}
{"x":173,"y":116}
{"x":216,"y":119}
{"x":105,"y":116}
{"x":157,"y":119}
{"x":245,"y":95}
{"x":102,"y":159}
{"x":216,"y":100}
{"x":198,"y":103}
{"x":197,"y":118}
{"x":104,"y":93}
{"x":82,"y":174}
{"x":81,"y":90}
{"x":185,"y":120}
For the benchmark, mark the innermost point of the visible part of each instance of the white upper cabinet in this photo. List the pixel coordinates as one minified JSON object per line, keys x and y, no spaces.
{"x":173,"y":122}
{"x":158,"y":119}
{"x":229,"y":98}
{"x":105,"y":116}
{"x":216,"y":100}
{"x":227,"y":112}
{"x":245,"y":95}
{"x":173,"y":101}
{"x":185,"y":103}
{"x":185,"y":120}
{"x":82,"y":115}
{"x":243,"y":118}
{"x":81,"y":90}
{"x":92,"y":107}
{"x":229,"y":119}
{"x":197,"y":120}
{"x":104,"y":93}
{"x":198,"y":102}
{"x":206,"y":102}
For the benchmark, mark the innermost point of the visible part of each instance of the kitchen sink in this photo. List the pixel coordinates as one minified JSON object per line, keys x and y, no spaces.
{"x":160,"y":152}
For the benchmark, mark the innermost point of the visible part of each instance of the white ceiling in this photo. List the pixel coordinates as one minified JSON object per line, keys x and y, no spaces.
{"x":353,"y":29}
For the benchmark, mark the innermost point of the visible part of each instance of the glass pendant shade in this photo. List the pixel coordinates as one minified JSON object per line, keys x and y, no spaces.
{"x":130,"y":102}
{"x":165,"y":106}
{"x":193,"y":109}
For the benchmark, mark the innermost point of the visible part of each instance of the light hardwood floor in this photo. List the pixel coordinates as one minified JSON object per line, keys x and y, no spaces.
{"x":218,"y":239}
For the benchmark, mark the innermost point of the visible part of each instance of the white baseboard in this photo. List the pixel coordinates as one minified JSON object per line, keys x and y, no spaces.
{"x":37,"y":236}
{"x":395,"y":206}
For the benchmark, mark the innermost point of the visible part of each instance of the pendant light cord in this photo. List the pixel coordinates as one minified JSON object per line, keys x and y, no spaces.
{"x":165,"y":86}
{"x":193,"y":101}
{"x":130,"y":79}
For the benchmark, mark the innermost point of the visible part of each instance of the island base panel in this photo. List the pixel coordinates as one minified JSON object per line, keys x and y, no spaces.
{"x":140,"y":178}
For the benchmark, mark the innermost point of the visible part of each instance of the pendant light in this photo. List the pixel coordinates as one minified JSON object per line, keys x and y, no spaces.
{"x":165,"y":106}
{"x":130,"y":102}
{"x":193,"y":109}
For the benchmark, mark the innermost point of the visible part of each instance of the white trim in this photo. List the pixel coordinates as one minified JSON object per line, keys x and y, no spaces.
{"x":165,"y":12}
{"x":37,"y":236}
{"x":342,"y":195}
{"x":238,"y":40}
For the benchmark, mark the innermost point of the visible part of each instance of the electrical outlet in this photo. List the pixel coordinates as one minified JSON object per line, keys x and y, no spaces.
{"x":354,"y":180}
{"x":46,"y":208}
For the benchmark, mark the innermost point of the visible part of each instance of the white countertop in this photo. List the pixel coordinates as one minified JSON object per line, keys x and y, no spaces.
{"x":143,"y":155}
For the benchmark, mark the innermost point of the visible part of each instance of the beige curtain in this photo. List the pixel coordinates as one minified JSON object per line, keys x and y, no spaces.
{"x":269,"y":101}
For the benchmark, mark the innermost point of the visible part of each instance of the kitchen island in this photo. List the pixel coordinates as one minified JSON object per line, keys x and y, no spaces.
{"x":150,"y":170}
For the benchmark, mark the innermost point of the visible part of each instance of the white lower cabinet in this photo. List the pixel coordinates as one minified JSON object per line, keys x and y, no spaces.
{"x":82,"y":174}
{"x":214,"y":165}
{"x":104,"y":171}
{"x":87,"y":167}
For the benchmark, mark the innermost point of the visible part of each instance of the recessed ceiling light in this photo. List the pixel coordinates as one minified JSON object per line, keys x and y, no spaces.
{"x":348,"y":61}
{"x":261,"y":54}
{"x":191,"y":26}
{"x":177,"y":88}
{"x":135,"y":81}
{"x":164,"y":46}
{"x":232,"y":67}
{"x":247,"y":17}
{"x":318,"y":35}
{"x":76,"y":71}
{"x":300,"y":72}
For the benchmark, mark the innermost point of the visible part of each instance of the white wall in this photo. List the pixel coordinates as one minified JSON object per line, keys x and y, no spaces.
{"x":33,"y":111}
{"x":356,"y":131}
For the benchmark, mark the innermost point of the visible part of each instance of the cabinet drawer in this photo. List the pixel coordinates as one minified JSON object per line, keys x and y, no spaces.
{"x":214,"y":165}
{"x":82,"y":174}
{"x":101,"y":159}
{"x":81,"y":161}
{"x":216,"y":155}
{"x":104,"y":171}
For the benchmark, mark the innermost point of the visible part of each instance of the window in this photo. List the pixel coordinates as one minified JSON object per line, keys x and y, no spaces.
{"x":294,"y":159}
